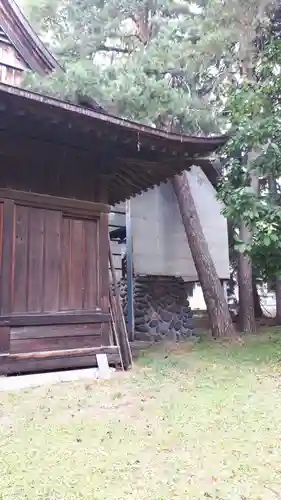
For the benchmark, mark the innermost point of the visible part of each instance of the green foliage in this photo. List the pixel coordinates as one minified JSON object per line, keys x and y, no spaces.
{"x":152,"y":61}
{"x":202,"y":70}
{"x":254,"y":109}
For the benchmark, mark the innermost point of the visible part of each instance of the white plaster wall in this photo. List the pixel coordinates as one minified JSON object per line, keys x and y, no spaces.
{"x":159,"y":242}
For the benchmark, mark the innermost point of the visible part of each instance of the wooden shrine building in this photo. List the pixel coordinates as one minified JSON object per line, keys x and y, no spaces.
{"x":21,"y":49}
{"x":61,"y":168}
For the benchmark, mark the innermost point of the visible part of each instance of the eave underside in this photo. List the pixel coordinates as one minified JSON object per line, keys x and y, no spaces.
{"x":37,"y":132}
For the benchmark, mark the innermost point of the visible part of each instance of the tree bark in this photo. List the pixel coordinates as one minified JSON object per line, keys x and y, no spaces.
{"x":278,"y":301}
{"x":245,"y":281}
{"x":273,"y":191}
{"x":245,"y":273}
{"x":257,"y":300}
{"x":220,"y":320}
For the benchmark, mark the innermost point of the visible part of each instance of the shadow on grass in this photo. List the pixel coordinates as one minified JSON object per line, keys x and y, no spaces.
{"x":263,"y":348}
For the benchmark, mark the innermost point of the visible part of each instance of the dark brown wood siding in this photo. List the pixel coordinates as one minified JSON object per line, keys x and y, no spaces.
{"x":54,"y":281}
{"x":79,"y":273}
{"x":55,"y":262}
{"x":60,"y":179}
{"x":54,"y":338}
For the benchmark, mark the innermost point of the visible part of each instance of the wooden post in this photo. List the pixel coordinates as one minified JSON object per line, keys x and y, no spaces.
{"x":130,"y":278}
{"x":122,"y":328}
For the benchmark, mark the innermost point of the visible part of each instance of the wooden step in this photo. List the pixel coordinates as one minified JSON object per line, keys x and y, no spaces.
{"x":55,"y":360}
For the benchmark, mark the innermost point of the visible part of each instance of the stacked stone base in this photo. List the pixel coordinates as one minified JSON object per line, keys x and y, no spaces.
{"x":161,"y":308}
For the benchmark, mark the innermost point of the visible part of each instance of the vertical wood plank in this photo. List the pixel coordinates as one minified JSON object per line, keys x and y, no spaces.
{"x":35,"y":260}
{"x":7,"y":257}
{"x":91,"y":256}
{"x":1,"y":233}
{"x":51,"y":261}
{"x":65,"y":264}
{"x":76,"y":288}
{"x":102,"y":263}
{"x":104,"y":274}
{"x":21,"y":258}
{"x":1,"y":250}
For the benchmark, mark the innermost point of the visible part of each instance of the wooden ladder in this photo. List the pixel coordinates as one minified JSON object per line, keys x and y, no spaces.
{"x":118,"y":323}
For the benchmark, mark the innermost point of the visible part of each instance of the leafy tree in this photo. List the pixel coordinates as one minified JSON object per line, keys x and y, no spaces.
{"x":255,"y":111}
{"x":152,"y":60}
{"x":164,"y":62}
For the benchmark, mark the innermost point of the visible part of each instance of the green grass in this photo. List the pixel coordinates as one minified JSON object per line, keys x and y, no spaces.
{"x":187,"y":423}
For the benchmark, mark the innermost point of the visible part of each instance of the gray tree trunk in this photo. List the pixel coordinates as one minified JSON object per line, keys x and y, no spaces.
{"x":245,"y":273}
{"x":256,"y":298}
{"x":278,"y":301}
{"x":245,"y":281}
{"x":220,"y":320}
{"x":273,"y":191}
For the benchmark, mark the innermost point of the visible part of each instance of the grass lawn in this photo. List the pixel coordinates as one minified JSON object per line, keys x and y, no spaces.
{"x":187,"y":423}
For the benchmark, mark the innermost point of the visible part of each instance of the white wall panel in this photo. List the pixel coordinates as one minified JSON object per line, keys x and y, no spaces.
{"x":159,"y":241}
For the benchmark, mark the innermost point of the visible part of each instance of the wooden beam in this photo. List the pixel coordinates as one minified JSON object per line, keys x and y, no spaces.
{"x":61,"y":318}
{"x":130,"y":273}
{"x":67,"y":205}
{"x":66,"y":331}
{"x":85,"y":351}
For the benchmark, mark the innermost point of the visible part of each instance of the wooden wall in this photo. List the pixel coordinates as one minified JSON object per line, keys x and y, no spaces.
{"x":54,"y":277}
{"x":12,"y":66}
{"x":55,"y":261}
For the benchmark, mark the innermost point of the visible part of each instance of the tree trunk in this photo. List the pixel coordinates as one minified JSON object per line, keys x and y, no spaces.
{"x":273,"y":191}
{"x":221,"y":324}
{"x":256,"y":298}
{"x":245,"y":273}
{"x":245,"y":281}
{"x":278,"y":301}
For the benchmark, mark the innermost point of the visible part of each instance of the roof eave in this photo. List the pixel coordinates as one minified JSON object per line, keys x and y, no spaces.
{"x":214,"y":142}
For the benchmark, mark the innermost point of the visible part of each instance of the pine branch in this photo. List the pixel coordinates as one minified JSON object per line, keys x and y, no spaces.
{"x":107,"y":48}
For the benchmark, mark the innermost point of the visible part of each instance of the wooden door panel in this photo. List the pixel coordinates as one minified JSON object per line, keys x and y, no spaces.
{"x":20,"y":260}
{"x":77,"y":270}
{"x":36,"y":260}
{"x":52,"y":259}
{"x":55,"y":262}
{"x":64,"y":265}
{"x":91,"y":295}
{"x":79,"y":267}
{"x":36,"y":229}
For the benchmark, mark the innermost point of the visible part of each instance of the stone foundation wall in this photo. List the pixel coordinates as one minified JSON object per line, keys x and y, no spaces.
{"x":161,"y":308}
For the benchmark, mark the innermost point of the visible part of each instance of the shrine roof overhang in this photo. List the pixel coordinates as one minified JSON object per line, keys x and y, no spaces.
{"x":131,"y":157}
